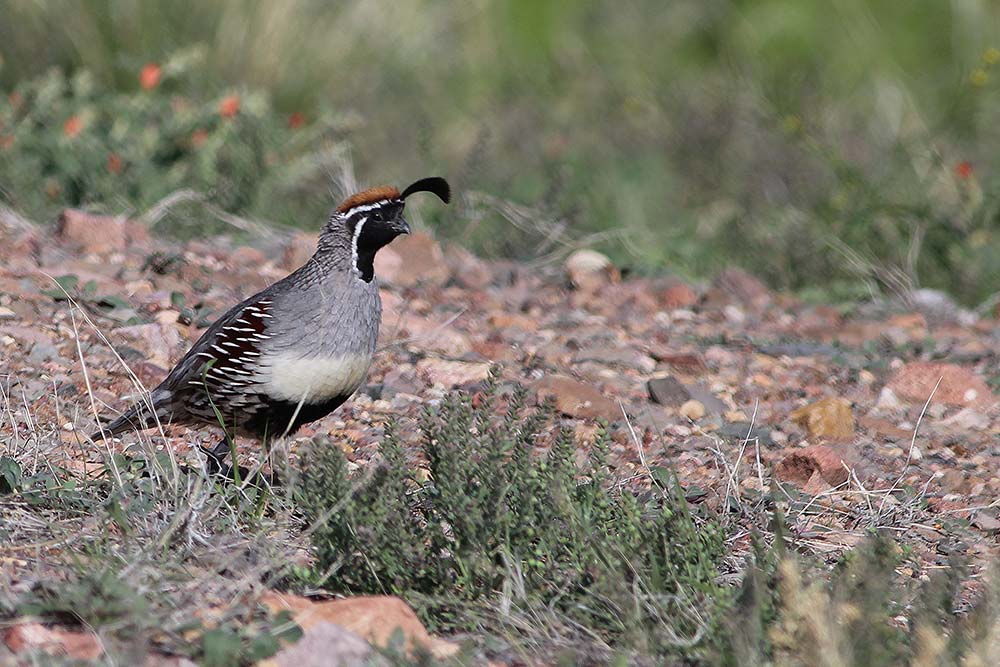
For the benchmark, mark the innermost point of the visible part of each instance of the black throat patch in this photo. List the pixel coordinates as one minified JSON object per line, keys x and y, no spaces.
{"x":374,"y":227}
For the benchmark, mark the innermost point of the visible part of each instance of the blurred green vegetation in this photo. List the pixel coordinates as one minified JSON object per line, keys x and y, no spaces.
{"x":815,"y":143}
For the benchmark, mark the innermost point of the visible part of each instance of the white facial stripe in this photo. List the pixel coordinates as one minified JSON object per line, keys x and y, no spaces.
{"x":361,"y":208}
{"x":354,"y":244}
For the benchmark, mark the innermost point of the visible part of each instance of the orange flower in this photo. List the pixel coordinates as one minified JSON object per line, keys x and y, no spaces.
{"x":6,"y":142}
{"x":114,"y":164}
{"x":52,"y":188}
{"x":72,"y":126}
{"x":149,"y":77}
{"x":963,"y":169}
{"x":296,"y":120}
{"x":199,"y":137}
{"x":229,"y":106}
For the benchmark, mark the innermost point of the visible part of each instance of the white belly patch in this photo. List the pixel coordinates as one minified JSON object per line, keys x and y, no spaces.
{"x":317,"y":379}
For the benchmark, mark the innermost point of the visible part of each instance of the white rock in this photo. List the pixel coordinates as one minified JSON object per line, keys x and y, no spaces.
{"x":588,"y":269}
{"x":734,"y":314}
{"x":587,"y":261}
{"x":887,"y":400}
{"x":936,"y":410}
{"x":968,"y":419}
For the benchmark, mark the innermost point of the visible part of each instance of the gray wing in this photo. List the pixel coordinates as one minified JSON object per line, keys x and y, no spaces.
{"x":220,"y":372}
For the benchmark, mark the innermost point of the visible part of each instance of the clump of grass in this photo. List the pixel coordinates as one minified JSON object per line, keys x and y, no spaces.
{"x":149,"y":556}
{"x":790,"y":612}
{"x":492,"y":535}
{"x":134,"y":618}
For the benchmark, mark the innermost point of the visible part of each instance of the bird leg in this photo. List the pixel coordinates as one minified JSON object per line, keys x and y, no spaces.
{"x":216,"y":457}
{"x":215,"y":464}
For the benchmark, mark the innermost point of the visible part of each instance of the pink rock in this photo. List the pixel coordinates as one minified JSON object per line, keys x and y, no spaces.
{"x":298,"y":251}
{"x":678,"y":296}
{"x":83,"y":646}
{"x":959,"y":386}
{"x":799,"y":465}
{"x":324,"y":645}
{"x":246,"y":256}
{"x":577,"y":399}
{"x":421,"y":261}
{"x":506,"y":320}
{"x":388,"y":266}
{"x":92,"y":233}
{"x":452,"y":373}
{"x":685,"y":362}
{"x":744,"y":288}
{"x":467,"y":270}
{"x":160,"y":342}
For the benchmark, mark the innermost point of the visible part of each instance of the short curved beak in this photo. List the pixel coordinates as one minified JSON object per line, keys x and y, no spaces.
{"x":401,"y":226}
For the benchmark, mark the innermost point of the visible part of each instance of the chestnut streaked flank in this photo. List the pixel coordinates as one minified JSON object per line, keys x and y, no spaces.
{"x":297,"y":350}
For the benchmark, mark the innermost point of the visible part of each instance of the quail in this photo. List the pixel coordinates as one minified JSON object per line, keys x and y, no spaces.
{"x":294,"y":352}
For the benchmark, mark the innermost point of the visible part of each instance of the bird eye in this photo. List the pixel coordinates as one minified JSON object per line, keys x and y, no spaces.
{"x":378,"y":216}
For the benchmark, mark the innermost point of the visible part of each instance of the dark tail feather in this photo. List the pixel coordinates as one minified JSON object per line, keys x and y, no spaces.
{"x":137,"y":418}
{"x":130,"y":420}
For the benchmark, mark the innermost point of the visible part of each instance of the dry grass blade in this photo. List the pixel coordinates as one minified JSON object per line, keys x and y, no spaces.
{"x":532,"y":221}
{"x":160,"y":209}
{"x":913,"y":444}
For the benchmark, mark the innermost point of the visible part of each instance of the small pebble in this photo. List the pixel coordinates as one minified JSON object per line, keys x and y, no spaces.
{"x":887,"y":400}
{"x":7,"y":313}
{"x":683,"y":315}
{"x":735,"y":416}
{"x":734,"y":314}
{"x":693,"y":410}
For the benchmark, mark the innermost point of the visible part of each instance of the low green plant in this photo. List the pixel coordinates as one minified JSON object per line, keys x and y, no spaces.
{"x":100,"y":598}
{"x":494,"y":528}
{"x":789,"y":611}
{"x":491,"y":533}
{"x":148,"y":554}
{"x":69,"y":287}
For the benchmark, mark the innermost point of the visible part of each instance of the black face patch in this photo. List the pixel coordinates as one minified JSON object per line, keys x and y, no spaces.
{"x":371,"y":230}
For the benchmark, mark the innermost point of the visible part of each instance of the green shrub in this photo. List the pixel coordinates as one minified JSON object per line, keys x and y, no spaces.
{"x":70,"y":142}
{"x":482,"y":533}
{"x":498,"y":533}
{"x":793,"y":612}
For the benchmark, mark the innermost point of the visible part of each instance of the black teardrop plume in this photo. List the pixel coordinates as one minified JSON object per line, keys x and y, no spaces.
{"x":433,"y":184}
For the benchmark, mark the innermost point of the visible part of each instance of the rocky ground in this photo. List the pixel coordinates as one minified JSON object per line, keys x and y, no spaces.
{"x":875,"y":416}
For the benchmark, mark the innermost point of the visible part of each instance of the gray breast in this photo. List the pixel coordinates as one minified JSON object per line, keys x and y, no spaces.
{"x":322,"y":339}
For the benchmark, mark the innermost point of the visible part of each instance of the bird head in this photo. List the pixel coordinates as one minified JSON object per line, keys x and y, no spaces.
{"x":372,"y":218}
